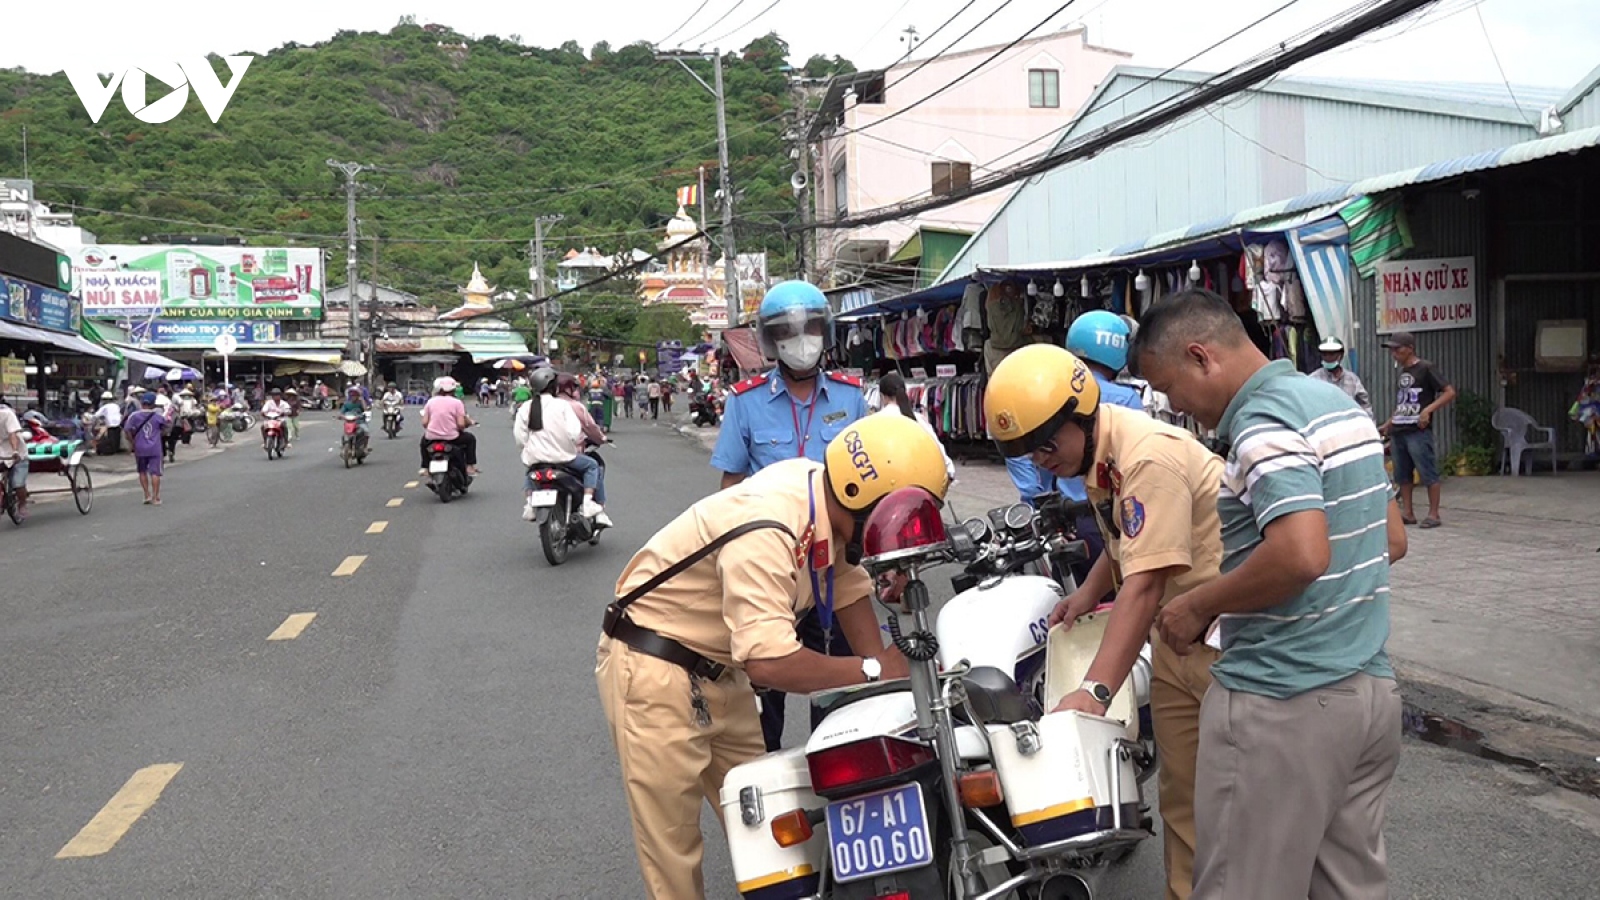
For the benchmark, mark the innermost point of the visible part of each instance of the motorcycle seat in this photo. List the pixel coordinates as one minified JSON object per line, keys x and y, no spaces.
{"x":994,"y":697}
{"x":828,"y":701}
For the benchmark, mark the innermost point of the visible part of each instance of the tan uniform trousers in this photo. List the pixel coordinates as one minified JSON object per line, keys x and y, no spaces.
{"x":669,"y":764}
{"x":1177,"y":686}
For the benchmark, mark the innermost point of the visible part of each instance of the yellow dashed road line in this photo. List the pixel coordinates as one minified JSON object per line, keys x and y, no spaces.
{"x":349,"y":566}
{"x":395,"y":502}
{"x":118,"y":815}
{"x":411,"y":484}
{"x":377,"y":527}
{"x":291,"y":627}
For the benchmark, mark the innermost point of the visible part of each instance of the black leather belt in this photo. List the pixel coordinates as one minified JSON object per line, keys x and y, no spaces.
{"x":619,"y":627}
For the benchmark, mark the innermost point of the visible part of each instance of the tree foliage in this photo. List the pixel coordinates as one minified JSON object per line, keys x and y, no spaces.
{"x":473,"y":139}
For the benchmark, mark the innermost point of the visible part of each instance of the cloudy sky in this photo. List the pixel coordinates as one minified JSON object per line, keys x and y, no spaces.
{"x":1549,"y":43}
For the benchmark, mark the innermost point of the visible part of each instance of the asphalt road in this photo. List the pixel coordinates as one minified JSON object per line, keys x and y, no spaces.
{"x":434,"y":730}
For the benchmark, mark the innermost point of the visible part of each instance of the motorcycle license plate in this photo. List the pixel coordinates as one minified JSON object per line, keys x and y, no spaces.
{"x":543,"y":498}
{"x":439,"y":465}
{"x":879,"y":833}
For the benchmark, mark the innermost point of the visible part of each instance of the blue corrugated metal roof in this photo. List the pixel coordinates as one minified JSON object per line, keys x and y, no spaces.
{"x":1307,"y":208}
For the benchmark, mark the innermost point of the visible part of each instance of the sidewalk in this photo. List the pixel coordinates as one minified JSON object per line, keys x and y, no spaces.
{"x":1495,"y":617}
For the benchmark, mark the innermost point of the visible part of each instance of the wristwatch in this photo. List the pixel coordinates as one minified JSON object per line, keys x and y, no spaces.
{"x":1101,"y":694}
{"x":871,"y":668}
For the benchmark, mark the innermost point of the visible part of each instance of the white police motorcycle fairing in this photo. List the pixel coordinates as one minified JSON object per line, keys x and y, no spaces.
{"x":955,"y":782}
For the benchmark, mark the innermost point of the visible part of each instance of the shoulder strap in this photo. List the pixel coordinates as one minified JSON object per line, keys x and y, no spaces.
{"x":678,"y":567}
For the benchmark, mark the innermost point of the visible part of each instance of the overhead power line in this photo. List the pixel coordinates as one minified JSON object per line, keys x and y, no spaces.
{"x":718,"y":21}
{"x":684,"y":24}
{"x":1371,"y":16}
{"x":747,"y":23}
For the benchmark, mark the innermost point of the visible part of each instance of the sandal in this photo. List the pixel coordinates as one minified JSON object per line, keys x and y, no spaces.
{"x":1431,"y":522}
{"x":1407,"y":520}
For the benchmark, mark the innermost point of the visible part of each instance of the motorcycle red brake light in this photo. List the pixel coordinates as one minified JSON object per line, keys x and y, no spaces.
{"x":907,"y":519}
{"x":863,"y":762}
{"x":439,"y":448}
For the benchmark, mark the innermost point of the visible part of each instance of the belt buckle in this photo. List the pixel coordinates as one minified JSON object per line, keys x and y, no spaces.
{"x":710,"y":669}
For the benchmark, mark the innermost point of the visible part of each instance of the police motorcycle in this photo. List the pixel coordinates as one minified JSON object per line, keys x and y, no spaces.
{"x":557,"y":502}
{"x":956,"y":783}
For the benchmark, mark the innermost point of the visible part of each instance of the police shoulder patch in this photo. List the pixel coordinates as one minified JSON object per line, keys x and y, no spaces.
{"x":1132,"y":514}
{"x":749,"y":384}
{"x":842,"y":378}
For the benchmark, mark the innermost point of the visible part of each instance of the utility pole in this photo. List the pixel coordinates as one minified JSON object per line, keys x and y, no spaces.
{"x":352,"y":263}
{"x":536,"y":278}
{"x":372,"y":317}
{"x":801,"y":180}
{"x":730,"y":252}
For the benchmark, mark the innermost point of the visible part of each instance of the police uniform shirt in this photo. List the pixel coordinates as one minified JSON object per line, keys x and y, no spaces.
{"x":763,"y":424}
{"x":742,"y":602}
{"x":1154,"y":488}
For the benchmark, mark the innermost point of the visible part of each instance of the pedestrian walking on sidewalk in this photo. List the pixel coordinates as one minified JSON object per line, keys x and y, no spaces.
{"x":654,"y":393}
{"x":147,"y":428}
{"x":1300,"y":730}
{"x":1423,"y":392}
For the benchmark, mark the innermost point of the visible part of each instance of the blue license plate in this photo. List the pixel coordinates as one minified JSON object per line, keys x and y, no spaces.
{"x":879,"y":833}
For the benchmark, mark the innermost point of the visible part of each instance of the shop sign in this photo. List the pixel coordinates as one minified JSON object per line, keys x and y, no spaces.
{"x":199,"y":282}
{"x":30,"y":304}
{"x":13,"y":376}
{"x":29,"y":261}
{"x":1427,"y":294}
{"x":187,"y":333}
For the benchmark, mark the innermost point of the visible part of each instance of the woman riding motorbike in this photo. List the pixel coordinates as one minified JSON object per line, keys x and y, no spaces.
{"x":444,"y":418}
{"x":549,"y":431}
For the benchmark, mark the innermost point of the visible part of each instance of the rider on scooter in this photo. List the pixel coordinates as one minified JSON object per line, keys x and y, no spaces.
{"x":354,"y":405}
{"x":393,"y":403}
{"x":549,"y":431}
{"x":444,"y":418}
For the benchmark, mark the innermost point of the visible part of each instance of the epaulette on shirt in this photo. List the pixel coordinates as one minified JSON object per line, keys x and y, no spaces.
{"x":749,"y":384}
{"x":842,"y":378}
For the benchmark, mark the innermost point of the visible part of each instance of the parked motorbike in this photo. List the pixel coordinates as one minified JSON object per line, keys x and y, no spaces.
{"x":353,"y":443}
{"x":240,"y":418}
{"x":274,"y":435}
{"x":447,"y":471}
{"x":703,"y":409}
{"x":956,"y":782}
{"x":391,"y":421}
{"x":557,"y":501}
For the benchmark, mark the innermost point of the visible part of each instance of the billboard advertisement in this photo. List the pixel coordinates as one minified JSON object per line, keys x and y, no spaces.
{"x":30,"y":304}
{"x":120,"y":281}
{"x":200,"y":333}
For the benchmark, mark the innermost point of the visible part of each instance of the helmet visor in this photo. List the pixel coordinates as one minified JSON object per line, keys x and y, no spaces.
{"x":1039,"y":436}
{"x":792,"y":323}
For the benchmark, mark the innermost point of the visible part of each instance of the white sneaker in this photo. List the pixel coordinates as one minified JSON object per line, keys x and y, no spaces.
{"x":603,"y":520}
{"x":423,"y":472}
{"x":528,"y":513}
{"x":592,"y":509}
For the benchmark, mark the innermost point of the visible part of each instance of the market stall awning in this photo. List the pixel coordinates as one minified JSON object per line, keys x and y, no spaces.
{"x":1208,"y":238}
{"x":746,"y":353}
{"x":305,"y":355}
{"x":71,"y":343}
{"x":134,"y":354}
{"x":943,"y":294}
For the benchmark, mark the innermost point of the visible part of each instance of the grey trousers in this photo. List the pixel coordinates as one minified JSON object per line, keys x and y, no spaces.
{"x":1289,"y":794}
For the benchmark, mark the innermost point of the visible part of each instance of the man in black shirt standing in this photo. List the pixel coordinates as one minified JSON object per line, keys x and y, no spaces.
{"x":1423,"y":392}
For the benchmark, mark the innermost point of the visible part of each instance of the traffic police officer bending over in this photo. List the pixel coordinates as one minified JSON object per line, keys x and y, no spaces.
{"x":791,"y":411}
{"x":1154,"y":490}
{"x":710,"y":604}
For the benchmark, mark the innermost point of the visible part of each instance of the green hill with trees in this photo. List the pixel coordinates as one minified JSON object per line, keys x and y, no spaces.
{"x":473,"y":139}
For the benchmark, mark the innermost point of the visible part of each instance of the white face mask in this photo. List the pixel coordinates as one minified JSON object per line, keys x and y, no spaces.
{"x":801,"y":353}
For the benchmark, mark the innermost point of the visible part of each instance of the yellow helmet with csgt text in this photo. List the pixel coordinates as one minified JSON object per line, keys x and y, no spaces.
{"x":880,"y":454}
{"x":1032,"y":393}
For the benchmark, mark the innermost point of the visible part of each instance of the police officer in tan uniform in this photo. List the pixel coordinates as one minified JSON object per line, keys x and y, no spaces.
{"x":1154,"y":492}
{"x":709,"y":606}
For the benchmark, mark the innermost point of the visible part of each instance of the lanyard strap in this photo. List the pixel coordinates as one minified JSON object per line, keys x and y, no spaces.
{"x":801,"y":436}
{"x":824,"y":606}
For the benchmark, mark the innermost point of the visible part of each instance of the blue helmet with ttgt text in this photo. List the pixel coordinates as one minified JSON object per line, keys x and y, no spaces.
{"x":1100,"y":336}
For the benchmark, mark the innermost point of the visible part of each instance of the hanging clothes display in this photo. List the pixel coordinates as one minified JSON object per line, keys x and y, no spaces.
{"x":1586,"y":412}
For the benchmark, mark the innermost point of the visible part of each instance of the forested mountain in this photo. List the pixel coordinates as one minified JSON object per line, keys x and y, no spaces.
{"x":474,"y":138}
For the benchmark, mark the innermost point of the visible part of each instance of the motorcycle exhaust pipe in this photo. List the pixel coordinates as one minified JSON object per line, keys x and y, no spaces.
{"x":1065,"y":886}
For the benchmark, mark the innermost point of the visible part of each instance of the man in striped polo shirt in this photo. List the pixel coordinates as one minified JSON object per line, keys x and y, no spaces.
{"x":1300,"y":731}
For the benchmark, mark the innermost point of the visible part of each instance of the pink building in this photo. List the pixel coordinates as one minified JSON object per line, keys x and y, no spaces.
{"x":874,"y":143}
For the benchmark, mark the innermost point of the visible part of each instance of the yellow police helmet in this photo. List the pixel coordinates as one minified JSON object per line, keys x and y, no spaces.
{"x":880,"y":454}
{"x":1032,"y":393}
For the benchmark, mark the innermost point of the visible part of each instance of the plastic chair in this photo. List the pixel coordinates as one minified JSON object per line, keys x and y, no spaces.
{"x":1514,"y":426}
